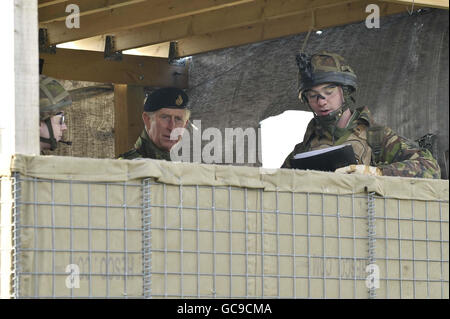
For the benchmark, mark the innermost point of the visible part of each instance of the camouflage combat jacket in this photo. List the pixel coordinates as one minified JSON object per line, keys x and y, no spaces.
{"x":145,"y":148}
{"x":393,"y":154}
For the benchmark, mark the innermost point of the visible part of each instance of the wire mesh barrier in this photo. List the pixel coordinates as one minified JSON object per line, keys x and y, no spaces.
{"x":412,"y":248}
{"x":72,"y":243}
{"x":98,"y":228}
{"x":231,"y":242}
{"x":147,"y":239}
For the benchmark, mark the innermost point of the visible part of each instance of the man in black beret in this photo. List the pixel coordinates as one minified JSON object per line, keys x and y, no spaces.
{"x":164,"y":110}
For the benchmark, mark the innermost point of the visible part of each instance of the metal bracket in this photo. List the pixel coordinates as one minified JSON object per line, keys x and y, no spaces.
{"x":173,"y":55}
{"x":110,"y":53}
{"x":44,"y":46}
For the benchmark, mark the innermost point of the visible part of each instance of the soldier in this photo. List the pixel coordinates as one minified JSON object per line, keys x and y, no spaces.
{"x":326,"y":85}
{"x":164,"y":110}
{"x":53,"y":98}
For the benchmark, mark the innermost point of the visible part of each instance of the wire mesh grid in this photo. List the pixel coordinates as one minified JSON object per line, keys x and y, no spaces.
{"x":6,"y":206}
{"x":154,"y":240}
{"x":77,"y":239}
{"x":220,"y":242}
{"x":412,"y":248}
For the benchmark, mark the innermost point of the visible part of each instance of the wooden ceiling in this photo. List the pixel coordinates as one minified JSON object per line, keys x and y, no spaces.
{"x":148,"y":27}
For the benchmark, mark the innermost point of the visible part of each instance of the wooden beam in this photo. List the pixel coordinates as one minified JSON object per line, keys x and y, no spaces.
{"x":217,"y":20}
{"x":45,"y":3}
{"x":57,"y":12}
{"x":440,"y":4}
{"x":128,"y":108}
{"x":132,"y":16}
{"x":280,"y":27}
{"x":91,"y":66}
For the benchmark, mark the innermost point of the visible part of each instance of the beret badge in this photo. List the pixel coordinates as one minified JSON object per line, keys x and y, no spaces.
{"x":179,"y":100}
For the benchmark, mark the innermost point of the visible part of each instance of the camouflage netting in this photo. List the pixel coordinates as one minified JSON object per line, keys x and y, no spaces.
{"x":90,"y":122}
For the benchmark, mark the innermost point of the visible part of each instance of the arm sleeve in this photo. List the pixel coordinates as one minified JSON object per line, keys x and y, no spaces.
{"x":287,"y":161}
{"x":297,"y":149}
{"x":402,"y":157}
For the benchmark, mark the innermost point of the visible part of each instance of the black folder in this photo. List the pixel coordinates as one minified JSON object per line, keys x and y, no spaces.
{"x":327,"y":159}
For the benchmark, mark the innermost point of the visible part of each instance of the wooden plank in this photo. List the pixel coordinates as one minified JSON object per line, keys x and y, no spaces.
{"x":45,"y":3}
{"x":57,"y":12}
{"x":19,"y":121}
{"x":132,"y":16}
{"x":120,"y":119}
{"x":276,"y":28}
{"x":217,"y":20}
{"x":440,"y":4}
{"x":91,"y":66}
{"x":128,"y":108}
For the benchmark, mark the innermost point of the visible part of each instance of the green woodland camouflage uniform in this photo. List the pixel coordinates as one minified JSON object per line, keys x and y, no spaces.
{"x":397,"y":156}
{"x":145,"y":148}
{"x":373,"y":145}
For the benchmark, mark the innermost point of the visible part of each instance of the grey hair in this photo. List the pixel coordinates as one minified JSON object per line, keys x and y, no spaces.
{"x":187,"y":114}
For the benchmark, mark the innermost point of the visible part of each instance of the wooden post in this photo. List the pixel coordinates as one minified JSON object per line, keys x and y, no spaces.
{"x":26,"y":64}
{"x":128,"y":108}
{"x":19,"y":120}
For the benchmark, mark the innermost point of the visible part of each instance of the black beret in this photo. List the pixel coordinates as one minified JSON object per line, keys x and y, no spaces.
{"x":170,"y":97}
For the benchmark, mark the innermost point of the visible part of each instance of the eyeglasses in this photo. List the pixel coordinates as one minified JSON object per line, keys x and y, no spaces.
{"x":328,"y":91}
{"x":62,"y":119}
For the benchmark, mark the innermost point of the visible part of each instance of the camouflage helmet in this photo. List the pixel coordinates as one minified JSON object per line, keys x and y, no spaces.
{"x":52,"y":97}
{"x":323,"y":67}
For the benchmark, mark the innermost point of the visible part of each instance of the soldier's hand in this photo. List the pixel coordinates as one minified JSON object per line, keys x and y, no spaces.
{"x":360,"y":169}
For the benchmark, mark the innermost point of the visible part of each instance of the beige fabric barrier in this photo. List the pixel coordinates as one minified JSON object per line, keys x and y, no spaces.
{"x":107,"y":170}
{"x":223,"y":231}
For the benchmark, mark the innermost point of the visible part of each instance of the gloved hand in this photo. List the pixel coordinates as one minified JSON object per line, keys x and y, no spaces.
{"x":360,"y":169}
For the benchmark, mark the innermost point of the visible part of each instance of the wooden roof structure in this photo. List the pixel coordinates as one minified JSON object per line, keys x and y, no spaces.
{"x":161,"y":31}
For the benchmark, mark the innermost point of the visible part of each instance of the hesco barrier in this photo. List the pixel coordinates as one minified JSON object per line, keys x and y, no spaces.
{"x":90,"y":228}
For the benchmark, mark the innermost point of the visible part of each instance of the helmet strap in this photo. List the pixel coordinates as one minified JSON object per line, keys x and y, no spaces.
{"x":51,"y":140}
{"x":330,"y":121}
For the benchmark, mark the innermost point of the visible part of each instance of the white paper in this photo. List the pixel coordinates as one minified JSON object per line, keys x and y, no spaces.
{"x":317,"y":152}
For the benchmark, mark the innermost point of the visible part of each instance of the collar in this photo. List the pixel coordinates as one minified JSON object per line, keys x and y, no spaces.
{"x":147,"y":148}
{"x":359,"y":116}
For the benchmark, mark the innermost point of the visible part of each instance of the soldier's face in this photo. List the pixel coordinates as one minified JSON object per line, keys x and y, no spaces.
{"x":58,"y":126}
{"x":325,"y":98}
{"x":161,"y":125}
